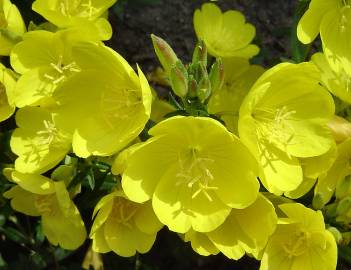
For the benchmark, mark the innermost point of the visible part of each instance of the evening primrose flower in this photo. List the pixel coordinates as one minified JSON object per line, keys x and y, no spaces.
{"x":123,"y":226}
{"x":337,"y":81}
{"x":36,"y":195}
{"x":66,"y":13}
{"x":105,"y":106}
{"x":45,"y":61}
{"x":11,"y":26}
{"x":38,"y":141}
{"x":300,"y":242}
{"x":7,"y":85}
{"x":225,"y":34}
{"x":339,"y":170}
{"x":284,"y":117}
{"x":194,"y":170}
{"x":239,"y":76}
{"x":245,"y":230}
{"x":332,"y":19}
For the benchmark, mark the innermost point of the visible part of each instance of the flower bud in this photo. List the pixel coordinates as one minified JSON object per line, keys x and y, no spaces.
{"x":200,"y":53}
{"x":217,"y":75}
{"x":164,"y":52}
{"x":344,"y":206}
{"x":337,"y":235}
{"x":204,"y":87}
{"x":179,"y":79}
{"x":192,"y":87}
{"x":341,"y":128}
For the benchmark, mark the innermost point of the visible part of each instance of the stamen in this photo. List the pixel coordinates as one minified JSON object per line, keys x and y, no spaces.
{"x":194,"y":173}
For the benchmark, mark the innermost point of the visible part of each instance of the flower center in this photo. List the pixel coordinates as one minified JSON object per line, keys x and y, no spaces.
{"x":50,"y":135}
{"x":45,"y":204}
{"x":273,"y":126}
{"x":120,"y":104}
{"x":298,"y":244}
{"x":194,"y":173}
{"x":60,"y":71}
{"x":81,"y":8}
{"x":123,"y":211}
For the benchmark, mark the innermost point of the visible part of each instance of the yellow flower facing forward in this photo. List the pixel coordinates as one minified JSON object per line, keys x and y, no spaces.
{"x":225,"y":34}
{"x":11,"y":26}
{"x":239,"y":76}
{"x":337,"y":81}
{"x":66,"y":13}
{"x":36,"y":195}
{"x":45,"y":61}
{"x":7,"y":85}
{"x":123,"y":226}
{"x":284,"y":117}
{"x":300,"y":242}
{"x":245,"y":230}
{"x":38,"y":141}
{"x":106,"y":106}
{"x":194,"y":170}
{"x":339,"y":170}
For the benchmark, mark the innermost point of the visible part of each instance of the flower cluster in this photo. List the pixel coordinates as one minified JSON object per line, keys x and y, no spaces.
{"x":220,"y":164}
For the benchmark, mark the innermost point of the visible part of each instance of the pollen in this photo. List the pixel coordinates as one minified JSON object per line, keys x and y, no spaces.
{"x":273,"y":126}
{"x":195,"y":174}
{"x":298,"y":244}
{"x":50,"y":134}
{"x":120,"y":104}
{"x":45,"y":204}
{"x":123,"y":211}
{"x":61,"y":71}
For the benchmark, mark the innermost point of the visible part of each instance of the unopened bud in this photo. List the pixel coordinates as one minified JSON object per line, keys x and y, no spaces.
{"x":164,"y":52}
{"x":204,"y":87}
{"x":192,"y":87}
{"x":318,"y":201}
{"x":341,"y":128}
{"x":343,"y":206}
{"x":200,"y":53}
{"x":336,"y":233}
{"x":179,"y":79}
{"x":217,"y":75}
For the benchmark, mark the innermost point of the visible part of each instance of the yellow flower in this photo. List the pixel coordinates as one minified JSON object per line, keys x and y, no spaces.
{"x":66,"y":13}
{"x":245,"y":230}
{"x":38,"y":141}
{"x":123,"y":226}
{"x":194,"y":170}
{"x":332,"y":19}
{"x":45,"y":61}
{"x":36,"y":195}
{"x":239,"y":76}
{"x":106,"y":105}
{"x":225,"y":34}
{"x":11,"y":26}
{"x":300,"y":242}
{"x":338,"y":80}
{"x":283,"y":118}
{"x":339,"y":170}
{"x":7,"y":85}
